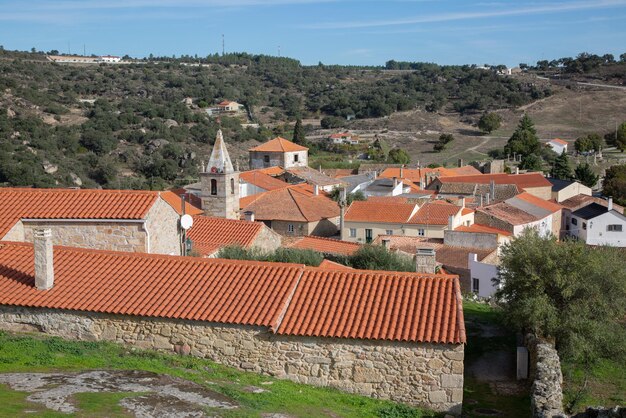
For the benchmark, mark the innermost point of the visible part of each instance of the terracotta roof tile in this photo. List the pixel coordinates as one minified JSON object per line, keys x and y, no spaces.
{"x":482,"y":229}
{"x":293,"y":203}
{"x":580,"y":201}
{"x":372,"y":305}
{"x":520,"y":180}
{"x":331,"y":265}
{"x":19,"y":203}
{"x":536,"y":201}
{"x":210,"y":234}
{"x":324,"y":245}
{"x":279,"y":145}
{"x":262,"y":180}
{"x":213,"y":290}
{"x":435,"y":213}
{"x":508,"y":213}
{"x":559,"y":141}
{"x":377,"y":211}
{"x":174,"y":201}
{"x":414,"y":174}
{"x":272,"y":171}
{"x":326,"y":303}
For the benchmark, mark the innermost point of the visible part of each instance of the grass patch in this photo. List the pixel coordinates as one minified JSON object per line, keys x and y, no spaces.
{"x":605,"y":385}
{"x":28,"y":353}
{"x":102,"y":405}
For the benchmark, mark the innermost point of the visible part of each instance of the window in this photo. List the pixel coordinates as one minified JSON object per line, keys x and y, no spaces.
{"x":584,"y":225}
{"x":352,"y":232}
{"x":389,"y":232}
{"x":368,"y":236}
{"x":475,"y":285}
{"x":213,"y":186}
{"x":574,"y":221}
{"x":295,"y":158}
{"x":614,"y":228}
{"x":232,"y":186}
{"x":290,"y":228}
{"x":266,"y":158}
{"x":421,"y":232}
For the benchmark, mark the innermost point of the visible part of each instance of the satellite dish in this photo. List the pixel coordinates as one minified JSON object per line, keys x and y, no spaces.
{"x":186,"y":221}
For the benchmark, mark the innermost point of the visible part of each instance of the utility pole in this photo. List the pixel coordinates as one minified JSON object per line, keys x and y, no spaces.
{"x":84,"y":51}
{"x":222,"y":44}
{"x":279,"y":51}
{"x":69,"y":50}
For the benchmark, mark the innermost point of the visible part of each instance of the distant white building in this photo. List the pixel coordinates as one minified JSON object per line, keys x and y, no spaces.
{"x":598,"y":225}
{"x":110,"y":58}
{"x":558,"y":145}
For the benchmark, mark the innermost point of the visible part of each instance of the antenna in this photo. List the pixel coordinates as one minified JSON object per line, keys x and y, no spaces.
{"x":69,"y":50}
{"x":279,"y":50}
{"x":222,"y":44}
{"x":84,"y":51}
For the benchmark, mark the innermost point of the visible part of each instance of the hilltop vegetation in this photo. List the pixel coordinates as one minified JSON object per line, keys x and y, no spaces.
{"x":140,"y":133}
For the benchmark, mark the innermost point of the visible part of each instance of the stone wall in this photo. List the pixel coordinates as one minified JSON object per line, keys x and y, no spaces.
{"x":486,"y":219}
{"x":428,"y":375}
{"x":112,"y":236}
{"x":16,"y":233}
{"x":162,"y":224}
{"x":470,"y":239}
{"x":546,"y":394}
{"x":267,"y":240}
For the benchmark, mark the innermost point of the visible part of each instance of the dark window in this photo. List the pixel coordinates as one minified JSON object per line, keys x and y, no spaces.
{"x":266,"y":158}
{"x":232,"y":186}
{"x":614,"y":228}
{"x":368,"y":236}
{"x":213,"y":186}
{"x":295,"y":158}
{"x":475,"y":285}
{"x":584,"y":225}
{"x":574,"y":221}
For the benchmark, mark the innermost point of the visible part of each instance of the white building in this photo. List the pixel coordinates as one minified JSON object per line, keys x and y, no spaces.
{"x":110,"y":58}
{"x":482,"y":275}
{"x":598,"y":225}
{"x":558,"y":145}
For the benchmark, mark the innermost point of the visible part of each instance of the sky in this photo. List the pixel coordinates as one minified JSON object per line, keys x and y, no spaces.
{"x":357,"y":32}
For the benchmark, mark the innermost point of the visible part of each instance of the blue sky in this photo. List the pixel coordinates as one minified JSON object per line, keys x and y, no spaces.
{"x":330,"y":31}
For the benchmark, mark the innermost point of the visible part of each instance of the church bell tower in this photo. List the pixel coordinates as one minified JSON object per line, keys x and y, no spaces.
{"x":220,"y":183}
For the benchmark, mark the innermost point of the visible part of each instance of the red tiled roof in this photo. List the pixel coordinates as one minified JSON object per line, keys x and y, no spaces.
{"x":193,"y":200}
{"x":331,"y":265}
{"x":370,"y":305}
{"x":294,"y":203}
{"x":466,"y":211}
{"x":174,"y":201}
{"x":414,"y":174}
{"x":326,"y":303}
{"x":482,"y":229}
{"x":272,"y":171}
{"x":559,"y":141}
{"x":227,"y":291}
{"x":520,"y":180}
{"x":580,"y":201}
{"x":435,"y":213}
{"x":377,"y":211}
{"x":262,"y":180}
{"x":536,"y":201}
{"x":19,"y":203}
{"x":210,"y":234}
{"x":508,"y":213}
{"x":325,"y":245}
{"x":279,"y":145}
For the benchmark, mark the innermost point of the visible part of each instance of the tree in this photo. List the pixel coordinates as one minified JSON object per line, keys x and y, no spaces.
{"x":614,"y":183}
{"x":531,"y":162}
{"x":619,"y":139}
{"x":524,"y":140}
{"x":377,"y":257}
{"x":584,"y":174}
{"x":489,"y":122}
{"x":399,"y":156}
{"x":299,"y":136}
{"x":579,"y":303}
{"x":561,"y":168}
{"x":439,"y":146}
{"x":591,"y":142}
{"x":446,"y":138}
{"x":335,"y":194}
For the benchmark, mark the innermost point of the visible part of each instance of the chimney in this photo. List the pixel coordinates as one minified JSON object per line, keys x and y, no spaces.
{"x":609,"y":206}
{"x":487,"y":198}
{"x":44,"y":259}
{"x":451,"y":222}
{"x":516,"y":170}
{"x":460,"y":162}
{"x":425,"y":261}
{"x":395,"y":182}
{"x":461,"y":201}
{"x":492,"y":190}
{"x":386,"y":242}
{"x":402,"y":172}
{"x":316,"y":190}
{"x":249,"y":215}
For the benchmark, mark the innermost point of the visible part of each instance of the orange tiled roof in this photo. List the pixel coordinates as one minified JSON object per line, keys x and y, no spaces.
{"x":279,"y":145}
{"x":435,"y":213}
{"x":537,"y":201}
{"x":150,"y":285}
{"x":508,"y":213}
{"x":377,"y":211}
{"x":482,"y":229}
{"x":326,"y":303}
{"x":414,"y":174}
{"x":19,"y":203}
{"x":325,"y":245}
{"x":193,"y":200}
{"x":294,"y":203}
{"x":466,"y":211}
{"x":559,"y":141}
{"x":272,"y":171}
{"x":210,"y":234}
{"x":371,"y":305}
{"x":520,"y":180}
{"x":331,"y":265}
{"x":174,"y":201}
{"x":580,"y":201}
{"x":262,"y":180}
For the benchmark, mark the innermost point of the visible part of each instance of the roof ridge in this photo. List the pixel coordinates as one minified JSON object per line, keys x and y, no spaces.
{"x":281,"y":315}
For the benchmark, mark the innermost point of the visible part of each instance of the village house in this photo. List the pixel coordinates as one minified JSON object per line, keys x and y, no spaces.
{"x":119,"y":220}
{"x":564,"y":189}
{"x":285,"y":320}
{"x":558,"y":145}
{"x":306,"y":174}
{"x":344,"y":138}
{"x":578,"y":202}
{"x":257,"y":181}
{"x":295,"y":210}
{"x":533,"y":183}
{"x":421,"y":177}
{"x":208,"y":235}
{"x":228,"y":106}
{"x":279,"y":152}
{"x":596,"y":224}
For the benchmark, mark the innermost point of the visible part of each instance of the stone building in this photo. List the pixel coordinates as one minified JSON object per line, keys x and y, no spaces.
{"x":533,"y":183}
{"x":279,"y":152}
{"x":117,"y":220}
{"x":220,"y":183}
{"x":387,"y":335}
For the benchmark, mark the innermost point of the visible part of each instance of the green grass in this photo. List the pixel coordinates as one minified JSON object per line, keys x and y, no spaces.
{"x":479,"y":395}
{"x":27,"y":353}
{"x":606,"y":385}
